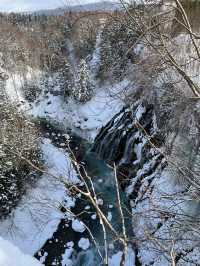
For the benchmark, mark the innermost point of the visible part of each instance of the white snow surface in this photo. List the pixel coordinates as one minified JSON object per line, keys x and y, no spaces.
{"x":37,"y":216}
{"x":84,"y":243}
{"x":78,"y":226}
{"x":96,"y":56}
{"x":16,"y":81}
{"x":115,"y":260}
{"x":12,"y":256}
{"x":65,"y":257}
{"x":85,"y":119}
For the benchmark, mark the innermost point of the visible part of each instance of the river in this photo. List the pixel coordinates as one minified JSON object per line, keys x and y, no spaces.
{"x":105,"y":187}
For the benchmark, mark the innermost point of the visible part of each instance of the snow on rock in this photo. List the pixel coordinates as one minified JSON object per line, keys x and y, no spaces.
{"x":65,"y":257}
{"x":12,"y":256}
{"x":115,"y":260}
{"x":78,"y":226}
{"x":70,"y":244}
{"x":100,"y":202}
{"x":43,"y":258}
{"x":37,"y":216}
{"x":139,"y":112}
{"x":94,"y":216}
{"x":84,"y":243}
{"x":109,"y":216}
{"x":66,"y":261}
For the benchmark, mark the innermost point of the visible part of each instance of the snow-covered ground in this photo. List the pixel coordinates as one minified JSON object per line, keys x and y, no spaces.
{"x":16,"y":81}
{"x":12,"y":256}
{"x":85,"y":119}
{"x":37,"y":216}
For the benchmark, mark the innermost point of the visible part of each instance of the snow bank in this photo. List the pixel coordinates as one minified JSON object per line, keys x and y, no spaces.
{"x":16,"y":81}
{"x":85,"y":119}
{"x":78,"y":226}
{"x":12,"y":256}
{"x":65,"y":257}
{"x":84,"y":243}
{"x":37,"y":216}
{"x":115,"y":260}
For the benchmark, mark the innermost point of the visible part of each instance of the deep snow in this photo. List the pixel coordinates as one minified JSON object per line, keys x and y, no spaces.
{"x":12,"y":256}
{"x":38,"y":211}
{"x":37,"y":216}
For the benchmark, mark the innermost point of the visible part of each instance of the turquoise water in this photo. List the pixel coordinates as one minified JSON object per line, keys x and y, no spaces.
{"x":104,"y":182}
{"x":105,"y":187}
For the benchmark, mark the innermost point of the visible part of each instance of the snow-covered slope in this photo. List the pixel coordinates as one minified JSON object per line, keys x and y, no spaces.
{"x":12,"y":256}
{"x":85,"y":119}
{"x":37,"y":216}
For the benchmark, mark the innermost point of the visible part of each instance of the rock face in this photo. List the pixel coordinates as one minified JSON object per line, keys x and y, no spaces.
{"x":156,"y":155}
{"x":122,"y":140}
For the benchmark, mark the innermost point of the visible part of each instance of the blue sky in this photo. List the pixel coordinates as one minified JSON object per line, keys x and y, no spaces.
{"x":27,"y":5}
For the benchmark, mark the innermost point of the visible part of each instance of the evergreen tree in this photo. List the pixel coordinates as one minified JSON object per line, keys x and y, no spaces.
{"x":83,"y":87}
{"x":117,"y":37}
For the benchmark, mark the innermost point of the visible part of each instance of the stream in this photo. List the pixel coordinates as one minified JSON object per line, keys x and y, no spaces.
{"x":104,"y":183}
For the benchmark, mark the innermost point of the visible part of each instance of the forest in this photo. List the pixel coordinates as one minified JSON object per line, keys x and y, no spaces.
{"x":100,"y":135}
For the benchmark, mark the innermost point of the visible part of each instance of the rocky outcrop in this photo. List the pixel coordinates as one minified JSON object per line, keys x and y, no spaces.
{"x":123,"y":141}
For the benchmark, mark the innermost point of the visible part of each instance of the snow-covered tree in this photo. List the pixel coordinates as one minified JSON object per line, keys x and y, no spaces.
{"x":83,"y":87}
{"x":3,"y":75}
{"x":116,"y":56}
{"x":66,"y":79}
{"x":18,"y":140}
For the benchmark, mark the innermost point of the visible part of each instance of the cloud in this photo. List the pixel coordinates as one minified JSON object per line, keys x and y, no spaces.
{"x":31,"y":5}
{"x":27,"y":5}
